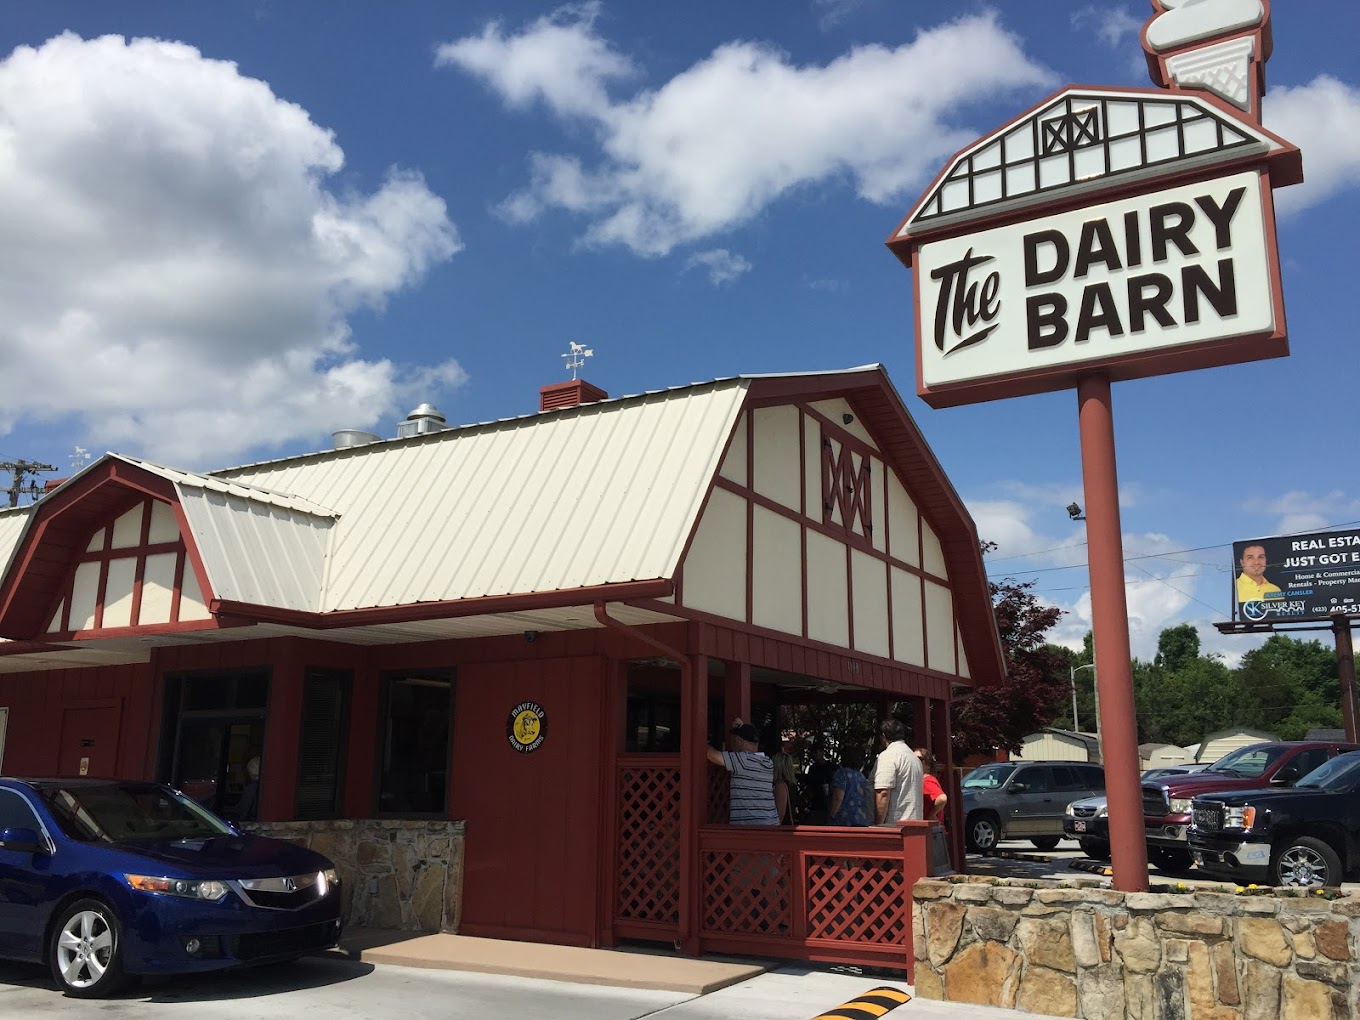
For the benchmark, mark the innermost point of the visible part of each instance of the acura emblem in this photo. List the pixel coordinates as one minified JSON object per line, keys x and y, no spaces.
{"x":289,"y":885}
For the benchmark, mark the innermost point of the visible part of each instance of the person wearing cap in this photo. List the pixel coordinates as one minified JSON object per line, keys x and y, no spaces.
{"x":751,"y":797}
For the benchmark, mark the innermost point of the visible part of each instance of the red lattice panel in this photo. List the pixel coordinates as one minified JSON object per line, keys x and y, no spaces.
{"x":856,"y":899}
{"x":649,"y":844}
{"x":746,"y":892}
{"x":719,"y":795}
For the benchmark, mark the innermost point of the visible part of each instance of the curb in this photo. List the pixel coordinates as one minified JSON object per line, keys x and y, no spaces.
{"x":1094,"y":867}
{"x":1017,"y":855}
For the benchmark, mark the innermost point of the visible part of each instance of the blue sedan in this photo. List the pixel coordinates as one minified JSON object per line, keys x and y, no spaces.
{"x":101,"y":879}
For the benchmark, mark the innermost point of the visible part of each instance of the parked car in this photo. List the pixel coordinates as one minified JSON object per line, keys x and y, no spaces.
{"x":102,"y":879}
{"x":1172,"y":770}
{"x":1005,"y":800}
{"x":1166,"y":801}
{"x":1088,"y":822}
{"x":1308,"y":835}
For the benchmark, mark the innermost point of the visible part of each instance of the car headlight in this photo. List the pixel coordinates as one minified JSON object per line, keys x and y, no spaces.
{"x":1104,"y":812}
{"x":1180,"y":805}
{"x":190,"y":888}
{"x":327,"y":880}
{"x":1070,"y":812}
{"x":1243,"y":817}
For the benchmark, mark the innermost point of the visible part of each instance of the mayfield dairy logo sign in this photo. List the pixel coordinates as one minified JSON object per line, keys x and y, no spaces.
{"x":1181,"y":267}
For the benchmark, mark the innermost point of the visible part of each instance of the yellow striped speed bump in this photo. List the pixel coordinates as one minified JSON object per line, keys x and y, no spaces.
{"x":1094,"y":867}
{"x":872,"y":1004}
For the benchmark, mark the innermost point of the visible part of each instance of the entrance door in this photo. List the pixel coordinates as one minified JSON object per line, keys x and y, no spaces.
{"x":89,"y":739}
{"x":213,"y":763}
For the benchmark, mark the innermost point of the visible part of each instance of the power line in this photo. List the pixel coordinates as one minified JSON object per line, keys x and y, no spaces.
{"x":1154,"y":556}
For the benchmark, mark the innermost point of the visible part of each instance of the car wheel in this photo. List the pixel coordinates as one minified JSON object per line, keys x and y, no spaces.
{"x":1045,"y":842}
{"x":1095,"y":848}
{"x":1306,"y":862}
{"x":1167,"y":859}
{"x":86,"y":950}
{"x":983,"y":833}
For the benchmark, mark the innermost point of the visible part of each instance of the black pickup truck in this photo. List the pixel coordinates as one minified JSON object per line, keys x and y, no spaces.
{"x":1307,"y":835}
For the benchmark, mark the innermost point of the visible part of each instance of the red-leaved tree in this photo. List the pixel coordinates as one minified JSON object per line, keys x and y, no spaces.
{"x":1027,"y":698}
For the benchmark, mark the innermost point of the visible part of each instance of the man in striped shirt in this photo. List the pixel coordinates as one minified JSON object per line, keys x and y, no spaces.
{"x":751,"y":800}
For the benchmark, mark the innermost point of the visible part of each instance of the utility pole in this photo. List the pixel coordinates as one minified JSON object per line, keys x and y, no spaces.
{"x":18,"y":469}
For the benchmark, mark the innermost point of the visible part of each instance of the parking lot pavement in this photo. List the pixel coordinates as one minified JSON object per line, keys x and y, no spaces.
{"x":1020,"y":859}
{"x":335,"y":987}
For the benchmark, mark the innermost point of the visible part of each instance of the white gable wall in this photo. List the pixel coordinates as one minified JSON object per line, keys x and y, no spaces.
{"x":866,"y":573}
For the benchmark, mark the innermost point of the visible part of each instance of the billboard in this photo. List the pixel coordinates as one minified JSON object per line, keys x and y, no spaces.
{"x":1297,"y":577}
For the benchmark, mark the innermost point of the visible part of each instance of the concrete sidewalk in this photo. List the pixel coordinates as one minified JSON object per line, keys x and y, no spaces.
{"x":622,"y":968}
{"x":745,"y":988}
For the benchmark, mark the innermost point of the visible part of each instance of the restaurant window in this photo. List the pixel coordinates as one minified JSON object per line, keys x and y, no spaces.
{"x":415,"y":723}
{"x":321,"y":742}
{"x":212,"y":740}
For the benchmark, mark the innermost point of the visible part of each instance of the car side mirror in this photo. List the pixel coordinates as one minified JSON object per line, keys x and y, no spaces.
{"x":20,"y":841}
{"x":1016,"y":788}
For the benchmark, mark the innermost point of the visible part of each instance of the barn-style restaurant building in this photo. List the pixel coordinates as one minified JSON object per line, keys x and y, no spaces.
{"x":478,"y":665}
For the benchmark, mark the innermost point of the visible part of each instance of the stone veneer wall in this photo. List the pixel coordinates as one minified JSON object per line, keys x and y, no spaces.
{"x":1083,"y":950}
{"x":406,"y":875}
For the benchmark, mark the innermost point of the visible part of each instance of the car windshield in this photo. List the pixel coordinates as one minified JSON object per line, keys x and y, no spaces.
{"x":1248,"y":762}
{"x":987,"y":777}
{"x":122,"y":812}
{"x":1338,"y":775}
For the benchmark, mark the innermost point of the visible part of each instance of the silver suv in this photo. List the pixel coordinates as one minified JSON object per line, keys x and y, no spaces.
{"x":1024,"y":799}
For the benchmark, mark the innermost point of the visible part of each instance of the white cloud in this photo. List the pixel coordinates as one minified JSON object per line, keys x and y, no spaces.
{"x":1296,"y":511}
{"x":1112,"y":25}
{"x":1323,"y":119}
{"x":175,"y":273}
{"x":558,"y":60}
{"x":723,"y":266}
{"x":831,"y":13}
{"x":719,"y":142}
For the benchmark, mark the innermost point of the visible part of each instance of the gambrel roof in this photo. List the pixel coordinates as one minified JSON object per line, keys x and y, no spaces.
{"x":543,"y":514}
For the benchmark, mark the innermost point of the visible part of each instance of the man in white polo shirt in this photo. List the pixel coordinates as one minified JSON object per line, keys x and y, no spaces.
{"x":898,"y":777}
{"x":751,"y":799}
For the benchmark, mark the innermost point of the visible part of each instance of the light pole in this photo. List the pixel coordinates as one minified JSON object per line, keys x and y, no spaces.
{"x":1076,"y":727}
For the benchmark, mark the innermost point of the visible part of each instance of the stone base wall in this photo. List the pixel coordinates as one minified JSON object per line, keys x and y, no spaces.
{"x":398,"y":874}
{"x":1083,"y":950}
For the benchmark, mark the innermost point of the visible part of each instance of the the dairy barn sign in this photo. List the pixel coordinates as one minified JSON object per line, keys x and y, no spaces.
{"x":1125,"y":231}
{"x":1109,"y":234}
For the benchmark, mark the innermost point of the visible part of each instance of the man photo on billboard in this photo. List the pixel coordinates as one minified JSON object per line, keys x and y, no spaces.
{"x":1252,"y":585}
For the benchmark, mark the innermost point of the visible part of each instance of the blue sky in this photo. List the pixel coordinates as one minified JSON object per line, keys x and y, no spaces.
{"x":233,"y":228}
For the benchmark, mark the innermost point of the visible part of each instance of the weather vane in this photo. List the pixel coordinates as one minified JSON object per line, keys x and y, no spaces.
{"x":576,"y":359}
{"x":79,"y":458}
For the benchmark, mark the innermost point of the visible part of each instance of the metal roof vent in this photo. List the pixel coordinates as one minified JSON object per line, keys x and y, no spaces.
{"x":425,"y":418}
{"x":345,"y":439}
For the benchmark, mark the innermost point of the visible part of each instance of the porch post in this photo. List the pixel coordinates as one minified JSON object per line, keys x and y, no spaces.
{"x":693,"y":794}
{"x":736,"y":692}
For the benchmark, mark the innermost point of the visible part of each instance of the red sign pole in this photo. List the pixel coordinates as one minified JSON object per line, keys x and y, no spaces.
{"x":1110,"y":626}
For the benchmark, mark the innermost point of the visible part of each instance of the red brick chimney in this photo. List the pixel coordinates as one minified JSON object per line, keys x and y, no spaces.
{"x":568,"y":394}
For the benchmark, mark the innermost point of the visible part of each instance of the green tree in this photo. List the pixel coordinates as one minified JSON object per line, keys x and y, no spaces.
{"x":1288,"y":687}
{"x":1177,"y":647}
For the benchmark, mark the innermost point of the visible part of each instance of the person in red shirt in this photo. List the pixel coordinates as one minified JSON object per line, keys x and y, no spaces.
{"x":934,"y":796}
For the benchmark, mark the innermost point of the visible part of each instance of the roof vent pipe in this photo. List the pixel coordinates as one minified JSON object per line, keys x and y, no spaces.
{"x":424,"y":418}
{"x":345,"y":439}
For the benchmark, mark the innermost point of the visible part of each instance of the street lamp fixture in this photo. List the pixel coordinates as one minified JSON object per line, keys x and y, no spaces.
{"x":1075,"y":512}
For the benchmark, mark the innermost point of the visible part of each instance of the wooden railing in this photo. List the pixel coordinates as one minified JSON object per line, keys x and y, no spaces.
{"x":826,"y":893}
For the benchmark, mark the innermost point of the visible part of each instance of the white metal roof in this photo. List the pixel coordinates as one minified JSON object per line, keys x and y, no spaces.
{"x":596,"y":494}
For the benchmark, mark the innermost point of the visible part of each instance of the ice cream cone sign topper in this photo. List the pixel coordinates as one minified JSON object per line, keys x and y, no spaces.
{"x":1220,"y":46}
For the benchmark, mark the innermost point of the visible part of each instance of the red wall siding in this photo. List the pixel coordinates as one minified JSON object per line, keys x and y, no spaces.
{"x":37,"y":703}
{"x":533,"y":820}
